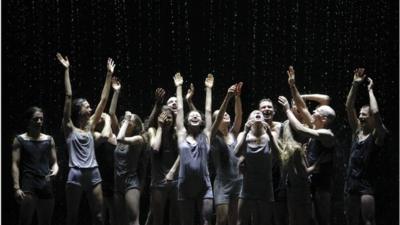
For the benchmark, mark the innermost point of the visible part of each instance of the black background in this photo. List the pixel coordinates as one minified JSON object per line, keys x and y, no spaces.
{"x":251,"y":41}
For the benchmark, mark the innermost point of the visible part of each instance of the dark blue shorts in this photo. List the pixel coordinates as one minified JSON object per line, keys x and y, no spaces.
{"x":38,"y":186}
{"x":87,"y":178}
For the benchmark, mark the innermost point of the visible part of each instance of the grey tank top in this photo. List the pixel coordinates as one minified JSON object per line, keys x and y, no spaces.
{"x":126,"y":159}
{"x":257,"y":178}
{"x":224,"y":159}
{"x":194,"y":179}
{"x":81,"y":150}
{"x":163,"y":160}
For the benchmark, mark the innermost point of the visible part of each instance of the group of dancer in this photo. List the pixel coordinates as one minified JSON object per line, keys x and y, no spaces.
{"x":267,"y":173}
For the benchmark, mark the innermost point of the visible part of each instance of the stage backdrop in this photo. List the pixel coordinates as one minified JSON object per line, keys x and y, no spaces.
{"x":150,"y":40}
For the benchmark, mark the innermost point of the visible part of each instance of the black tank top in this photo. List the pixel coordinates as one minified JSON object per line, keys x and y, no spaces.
{"x":105,"y":158}
{"x":35,"y":156}
{"x":314,"y":151}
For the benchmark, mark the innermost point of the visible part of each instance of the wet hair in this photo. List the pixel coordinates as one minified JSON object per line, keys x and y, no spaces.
{"x":76,"y":110}
{"x":203,"y":119}
{"x":29,"y":113}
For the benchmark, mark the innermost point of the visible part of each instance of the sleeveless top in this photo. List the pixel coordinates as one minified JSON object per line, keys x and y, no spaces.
{"x":314,"y":151}
{"x":361,"y":167}
{"x":81,"y":150}
{"x":224,"y":159}
{"x":105,"y":158}
{"x":163,"y":160}
{"x":126,"y":159}
{"x":257,"y":177}
{"x":194,"y":179}
{"x":35,"y":156}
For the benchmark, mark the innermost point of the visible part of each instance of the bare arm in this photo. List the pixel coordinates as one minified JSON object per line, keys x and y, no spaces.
{"x":300,"y":104}
{"x":180,"y":128}
{"x":221,"y":111}
{"x":116,"y":85}
{"x":104,"y":94}
{"x":242,"y":138}
{"x":159,"y":97}
{"x":16,"y":156}
{"x":155,"y":142}
{"x":54,"y":166}
{"x":380,"y":130}
{"x":209,"y":82}
{"x":137,"y":139}
{"x":325,"y":136}
{"x":189,"y":96}
{"x":359,"y":76}
{"x":172,"y":171}
{"x":66,"y":121}
{"x":237,"y":123}
{"x":320,"y":98}
{"x":276,"y":150}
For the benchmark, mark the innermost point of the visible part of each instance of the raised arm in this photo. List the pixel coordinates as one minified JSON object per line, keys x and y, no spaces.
{"x":379,"y":129}
{"x":358,"y":78}
{"x":53,"y":159}
{"x":104,"y":94}
{"x":116,"y":85}
{"x":239,"y":148}
{"x":180,"y":128}
{"x":320,"y":98}
{"x":209,"y":83}
{"x":237,"y":123}
{"x":189,"y":96}
{"x":300,"y":104}
{"x":159,"y":98}
{"x":222,"y":110}
{"x":137,"y":139}
{"x":155,"y":141}
{"x":66,"y":121}
{"x":324,"y":135}
{"x":16,"y":156}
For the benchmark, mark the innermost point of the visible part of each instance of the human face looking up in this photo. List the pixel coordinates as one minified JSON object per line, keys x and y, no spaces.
{"x":172,"y":104}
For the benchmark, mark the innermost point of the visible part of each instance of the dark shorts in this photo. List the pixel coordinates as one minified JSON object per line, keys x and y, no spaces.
{"x":37,"y":186}
{"x":124,"y":183}
{"x":87,"y":178}
{"x":358,"y":187}
{"x":323,"y":182}
{"x":226,"y":190}
{"x":208,"y":194}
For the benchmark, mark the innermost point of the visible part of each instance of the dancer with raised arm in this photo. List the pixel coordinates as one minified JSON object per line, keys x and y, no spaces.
{"x":78,"y":125}
{"x":368,"y":134}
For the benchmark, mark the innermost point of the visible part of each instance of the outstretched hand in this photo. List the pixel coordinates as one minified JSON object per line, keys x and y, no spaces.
{"x":359,"y":75}
{"x":209,"y":82}
{"x":232,"y":90}
{"x":190,"y":92}
{"x":238,"y":90}
{"x":128,"y":116}
{"x":291,"y":76}
{"x":159,"y":95}
{"x":162,"y":118}
{"x":178,"y":79}
{"x":284,"y":102}
{"x":248,"y":125}
{"x":63,"y":61}
{"x":115,"y":84}
{"x":110,"y":65}
{"x":370,"y":84}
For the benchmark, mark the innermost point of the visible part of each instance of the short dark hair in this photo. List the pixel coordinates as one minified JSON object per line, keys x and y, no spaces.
{"x":29,"y":113}
{"x":76,"y":110}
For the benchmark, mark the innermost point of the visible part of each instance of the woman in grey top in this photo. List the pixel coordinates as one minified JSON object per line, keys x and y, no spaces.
{"x":127,"y":155}
{"x":228,"y":181}
{"x":78,"y":125}
{"x":194,"y":186}
{"x":256,"y":197}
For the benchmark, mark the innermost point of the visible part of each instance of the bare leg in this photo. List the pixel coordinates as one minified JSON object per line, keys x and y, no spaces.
{"x":368,"y":209}
{"x":233,"y":211}
{"x":109,"y":208}
{"x":280,"y":213}
{"x":245,"y":208}
{"x":45,"y":211}
{"x":352,"y":212}
{"x":132,"y":201}
{"x":222,"y":214}
{"x":173,"y":207}
{"x":120,"y":209}
{"x":187,"y":212}
{"x":73,"y":195}
{"x":157,"y":202}
{"x":149,"y":219}
{"x":206,"y":210}
{"x":28,"y":206}
{"x":95,"y":198}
